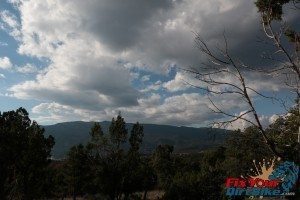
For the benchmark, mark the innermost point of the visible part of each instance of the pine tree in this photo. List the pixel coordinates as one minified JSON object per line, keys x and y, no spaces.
{"x":77,"y":170}
{"x":24,"y":156}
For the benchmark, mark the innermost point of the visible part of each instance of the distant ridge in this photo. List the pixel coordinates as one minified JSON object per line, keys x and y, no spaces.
{"x":184,"y":139}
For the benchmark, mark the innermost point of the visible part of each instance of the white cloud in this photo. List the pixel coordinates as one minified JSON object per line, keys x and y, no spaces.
{"x":15,"y":3}
{"x":134,"y":75}
{"x":152,"y":87}
{"x":153,"y":100}
{"x":27,"y":69}
{"x":145,"y":78}
{"x":261,"y":82}
{"x":181,"y":110}
{"x":3,"y":44}
{"x":257,"y":81}
{"x":184,"y":109}
{"x":5,"y":63}
{"x":86,"y":82}
{"x":49,"y":113}
{"x":95,"y":53}
{"x":44,"y":107}
{"x":10,"y":24}
{"x":2,"y":76}
{"x":242,"y":124}
{"x":273,"y":118}
{"x":168,"y":23}
{"x":181,"y":81}
{"x":82,"y":72}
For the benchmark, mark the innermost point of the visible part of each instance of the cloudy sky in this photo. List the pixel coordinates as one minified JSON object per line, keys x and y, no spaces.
{"x":66,"y":60}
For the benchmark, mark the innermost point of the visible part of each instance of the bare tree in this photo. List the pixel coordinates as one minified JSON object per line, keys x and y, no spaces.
{"x":221,"y":64}
{"x":223,"y":75}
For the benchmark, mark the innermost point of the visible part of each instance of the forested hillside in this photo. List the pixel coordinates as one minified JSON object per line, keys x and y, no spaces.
{"x":184,"y":139}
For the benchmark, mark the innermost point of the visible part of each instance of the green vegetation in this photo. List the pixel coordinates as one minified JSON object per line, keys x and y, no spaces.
{"x":184,"y":139}
{"x":24,"y":157}
{"x":106,"y":168}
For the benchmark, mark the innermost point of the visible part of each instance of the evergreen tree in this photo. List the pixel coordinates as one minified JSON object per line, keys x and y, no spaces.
{"x":118,"y":132}
{"x":163,"y":164}
{"x":132,"y":164}
{"x":77,"y":170}
{"x":24,"y":156}
{"x":242,"y":147}
{"x":284,"y":131}
{"x":108,"y":155}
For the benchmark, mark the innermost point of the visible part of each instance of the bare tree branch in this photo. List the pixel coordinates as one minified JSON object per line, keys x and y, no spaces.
{"x":220,"y":65}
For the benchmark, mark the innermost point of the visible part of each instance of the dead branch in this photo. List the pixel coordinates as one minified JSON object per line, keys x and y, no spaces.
{"x":218,"y":66}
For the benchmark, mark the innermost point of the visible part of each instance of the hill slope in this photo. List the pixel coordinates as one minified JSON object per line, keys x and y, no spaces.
{"x":184,"y":139}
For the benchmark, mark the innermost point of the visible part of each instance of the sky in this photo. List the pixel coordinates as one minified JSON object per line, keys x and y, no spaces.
{"x":71,"y":60}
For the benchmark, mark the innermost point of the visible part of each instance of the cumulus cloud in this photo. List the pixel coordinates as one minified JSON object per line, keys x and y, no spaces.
{"x":10,"y":23}
{"x":145,"y":78}
{"x":27,"y":69}
{"x":82,"y":72}
{"x":5,"y":63}
{"x":181,"y":82}
{"x":184,"y":109}
{"x":262,"y":82}
{"x":95,"y":50}
{"x":259,"y":82}
{"x":14,"y":2}
{"x":273,"y":118}
{"x":152,"y":87}
{"x":91,"y":83}
{"x":152,"y":34}
{"x":152,"y":100}
{"x":48,"y":113}
{"x":242,"y":124}
{"x":173,"y":34}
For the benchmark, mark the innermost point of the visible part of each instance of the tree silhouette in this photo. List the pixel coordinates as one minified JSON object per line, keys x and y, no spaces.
{"x":119,"y":170}
{"x":162,"y":161}
{"x":24,"y":155}
{"x":77,"y":170}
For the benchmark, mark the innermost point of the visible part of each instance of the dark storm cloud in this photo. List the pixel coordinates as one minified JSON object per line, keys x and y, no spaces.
{"x":160,"y":44}
{"x":118,"y":24}
{"x":170,"y":36}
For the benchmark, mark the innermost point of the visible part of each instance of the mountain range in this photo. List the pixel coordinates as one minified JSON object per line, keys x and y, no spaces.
{"x":184,"y":139}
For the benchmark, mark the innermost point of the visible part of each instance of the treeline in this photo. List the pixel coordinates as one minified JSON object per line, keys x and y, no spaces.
{"x":110,"y":166}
